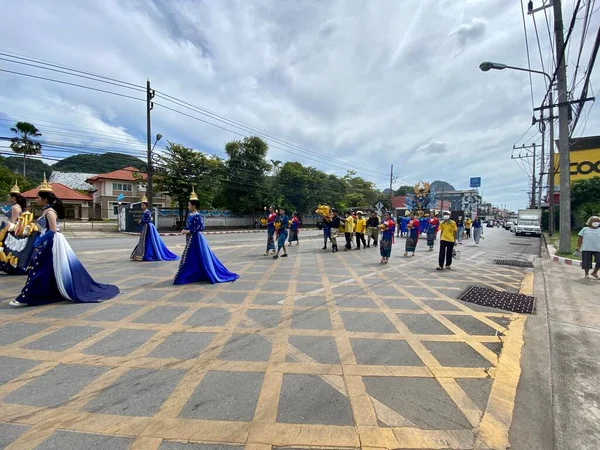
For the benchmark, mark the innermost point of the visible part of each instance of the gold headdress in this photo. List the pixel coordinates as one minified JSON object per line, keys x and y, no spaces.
{"x":193,"y":195}
{"x":45,"y":186}
{"x":144,"y":199}
{"x":15,"y":189}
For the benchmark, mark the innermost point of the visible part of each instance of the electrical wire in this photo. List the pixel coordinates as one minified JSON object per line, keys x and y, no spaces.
{"x":528,"y":58}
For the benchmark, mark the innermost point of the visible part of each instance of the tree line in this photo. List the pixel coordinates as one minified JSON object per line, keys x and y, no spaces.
{"x":245,"y":182}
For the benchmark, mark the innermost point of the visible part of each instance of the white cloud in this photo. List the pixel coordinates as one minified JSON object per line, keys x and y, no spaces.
{"x":373,"y":83}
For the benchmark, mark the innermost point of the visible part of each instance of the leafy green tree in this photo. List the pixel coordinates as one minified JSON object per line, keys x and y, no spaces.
{"x":403,"y":190}
{"x":585,"y":191}
{"x":35,"y":168}
{"x":7,"y":181}
{"x":23,"y":142}
{"x":181,"y":168}
{"x":245,"y":188}
{"x":97,"y":163}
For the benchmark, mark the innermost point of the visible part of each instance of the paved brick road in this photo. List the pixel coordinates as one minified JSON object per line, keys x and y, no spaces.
{"x":319,"y":349}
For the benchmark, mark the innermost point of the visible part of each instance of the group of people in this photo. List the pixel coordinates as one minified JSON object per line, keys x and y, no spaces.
{"x":469,"y":229}
{"x":281,"y":228}
{"x":54,"y":273}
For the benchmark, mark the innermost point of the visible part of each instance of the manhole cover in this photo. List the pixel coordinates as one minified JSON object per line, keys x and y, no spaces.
{"x":492,"y":298}
{"x":513,"y":263}
{"x":520,"y":243}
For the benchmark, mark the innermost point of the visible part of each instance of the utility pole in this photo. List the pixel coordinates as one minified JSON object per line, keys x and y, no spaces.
{"x":564,"y":245}
{"x":391,"y":191}
{"x":149,"y":106}
{"x":532,"y":200}
{"x":540,"y":186}
{"x":551,"y":169}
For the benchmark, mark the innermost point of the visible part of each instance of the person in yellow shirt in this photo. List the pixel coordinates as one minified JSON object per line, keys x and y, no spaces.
{"x":448,"y":237}
{"x":468,"y":224}
{"x":360,"y":227}
{"x":348,"y":230}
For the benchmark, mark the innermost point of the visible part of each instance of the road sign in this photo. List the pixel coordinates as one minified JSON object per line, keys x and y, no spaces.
{"x":475,"y":182}
{"x":379,"y":205}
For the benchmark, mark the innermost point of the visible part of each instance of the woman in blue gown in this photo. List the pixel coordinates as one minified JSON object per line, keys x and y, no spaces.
{"x":150,"y":247}
{"x":57,"y":274}
{"x":198,"y":262}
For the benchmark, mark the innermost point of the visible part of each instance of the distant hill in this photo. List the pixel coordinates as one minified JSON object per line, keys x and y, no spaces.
{"x":34,"y":168}
{"x":8,"y":178}
{"x":440,"y":186}
{"x":96,"y":163}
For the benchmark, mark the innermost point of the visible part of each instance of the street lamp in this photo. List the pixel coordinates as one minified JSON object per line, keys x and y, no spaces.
{"x":149,"y":184}
{"x":565,"y":222}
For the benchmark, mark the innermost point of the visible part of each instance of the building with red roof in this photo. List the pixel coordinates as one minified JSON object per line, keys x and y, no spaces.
{"x":76,"y":203}
{"x":128,"y":181}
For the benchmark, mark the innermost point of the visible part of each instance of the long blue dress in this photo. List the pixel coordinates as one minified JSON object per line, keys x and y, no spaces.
{"x":198,"y":262}
{"x":58,"y":275}
{"x":150,"y":247}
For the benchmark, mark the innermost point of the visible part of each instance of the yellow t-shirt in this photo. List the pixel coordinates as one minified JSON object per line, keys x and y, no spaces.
{"x":468,"y":223}
{"x":361,"y":224}
{"x":448,"y":231}
{"x":349,"y":225}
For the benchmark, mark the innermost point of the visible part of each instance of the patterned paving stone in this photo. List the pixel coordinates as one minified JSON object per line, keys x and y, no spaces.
{"x":456,"y":354}
{"x":15,"y":331}
{"x":321,"y":349}
{"x":314,"y":319}
{"x":184,"y":345}
{"x":120,"y":343}
{"x":139,"y":392}
{"x":209,"y":317}
{"x":69,"y":440}
{"x":246,"y":347}
{"x":367,"y":322}
{"x":384,"y":353}
{"x":161,"y":314}
{"x":225,"y":396}
{"x":56,"y":386}
{"x":114,"y":313}
{"x":14,"y":367}
{"x":9,"y":432}
{"x":423,"y":324}
{"x":63,"y":339}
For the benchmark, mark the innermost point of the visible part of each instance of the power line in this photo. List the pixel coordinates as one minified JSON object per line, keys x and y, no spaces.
{"x":71,"y":84}
{"x":528,"y":58}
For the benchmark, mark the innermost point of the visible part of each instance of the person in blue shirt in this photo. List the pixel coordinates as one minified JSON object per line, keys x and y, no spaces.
{"x":477,"y":230}
{"x":284,"y":224}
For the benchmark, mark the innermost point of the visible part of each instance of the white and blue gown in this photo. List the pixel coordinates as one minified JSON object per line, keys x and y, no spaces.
{"x":198,"y":262}
{"x":150,"y":247}
{"x":57,"y":274}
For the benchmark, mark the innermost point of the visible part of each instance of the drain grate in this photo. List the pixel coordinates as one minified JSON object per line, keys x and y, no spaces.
{"x":520,"y":243}
{"x":513,"y":263}
{"x":492,"y":298}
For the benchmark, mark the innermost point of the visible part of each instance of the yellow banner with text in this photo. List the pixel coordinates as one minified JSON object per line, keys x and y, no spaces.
{"x":584,"y":164}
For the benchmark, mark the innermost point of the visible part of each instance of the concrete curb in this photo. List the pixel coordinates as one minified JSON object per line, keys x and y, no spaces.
{"x":204,"y":232}
{"x":567,"y":261}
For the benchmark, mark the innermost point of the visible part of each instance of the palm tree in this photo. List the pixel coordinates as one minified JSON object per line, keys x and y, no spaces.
{"x":23,"y":142}
{"x":276,"y":166}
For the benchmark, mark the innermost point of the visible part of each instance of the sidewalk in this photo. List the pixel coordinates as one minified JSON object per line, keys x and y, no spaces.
{"x":558,"y":405}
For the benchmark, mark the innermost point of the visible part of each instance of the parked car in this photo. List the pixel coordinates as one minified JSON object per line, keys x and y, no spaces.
{"x":490,"y":224}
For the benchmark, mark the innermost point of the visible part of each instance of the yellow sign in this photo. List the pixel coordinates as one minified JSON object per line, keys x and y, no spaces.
{"x":584,"y":164}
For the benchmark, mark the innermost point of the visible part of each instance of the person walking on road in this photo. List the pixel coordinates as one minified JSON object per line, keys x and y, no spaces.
{"x":468,"y":223}
{"x":282,"y":233}
{"x":460,"y":223}
{"x":432,"y":228}
{"x":372,"y":229}
{"x":326,"y":231}
{"x":413,"y":235}
{"x":294,"y":229}
{"x":448,"y":237}
{"x":477,"y":230}
{"x":334,"y":229}
{"x":388,"y":227}
{"x":348,"y":230}
{"x":270,"y":231}
{"x":589,"y":244}
{"x":359,"y":229}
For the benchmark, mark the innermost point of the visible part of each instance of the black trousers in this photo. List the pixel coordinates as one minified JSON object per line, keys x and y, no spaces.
{"x":360,"y":237}
{"x":348,"y":240}
{"x":446,"y":249}
{"x":468,"y":230}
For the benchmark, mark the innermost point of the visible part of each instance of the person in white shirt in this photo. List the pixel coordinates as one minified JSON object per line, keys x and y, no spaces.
{"x":589,"y":244}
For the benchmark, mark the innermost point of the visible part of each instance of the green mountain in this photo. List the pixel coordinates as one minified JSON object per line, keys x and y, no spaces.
{"x":96,"y":163}
{"x":34,"y":168}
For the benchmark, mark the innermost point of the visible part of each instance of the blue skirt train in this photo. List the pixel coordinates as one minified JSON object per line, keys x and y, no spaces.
{"x":151,"y":247}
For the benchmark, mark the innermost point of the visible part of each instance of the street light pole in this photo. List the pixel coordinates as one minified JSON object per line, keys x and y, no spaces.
{"x":551,"y":170}
{"x":149,"y":106}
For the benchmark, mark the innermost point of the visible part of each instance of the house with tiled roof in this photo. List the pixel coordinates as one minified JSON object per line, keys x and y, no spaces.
{"x":74,"y":180}
{"x":128,"y":181}
{"x":76,"y":203}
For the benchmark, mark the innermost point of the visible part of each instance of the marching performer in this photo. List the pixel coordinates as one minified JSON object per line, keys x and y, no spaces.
{"x":387,"y":226}
{"x":198,"y":262}
{"x":270,"y":231}
{"x":283,"y":223}
{"x":57,"y":274}
{"x":17,"y":235}
{"x":294,"y":229}
{"x":150,"y":247}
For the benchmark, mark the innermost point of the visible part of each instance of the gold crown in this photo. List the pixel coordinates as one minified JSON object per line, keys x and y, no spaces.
{"x":15,"y":189}
{"x":144,"y":199}
{"x":193,"y":195}
{"x":45,"y":186}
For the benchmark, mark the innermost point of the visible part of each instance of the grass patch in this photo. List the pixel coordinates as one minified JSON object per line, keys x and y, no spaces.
{"x":554,"y":241}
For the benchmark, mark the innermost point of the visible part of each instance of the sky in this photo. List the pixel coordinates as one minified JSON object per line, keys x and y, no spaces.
{"x":337,"y":84}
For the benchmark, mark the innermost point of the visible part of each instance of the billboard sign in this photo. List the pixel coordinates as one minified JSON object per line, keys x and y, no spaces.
{"x":584,"y":164}
{"x":475,"y":182}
